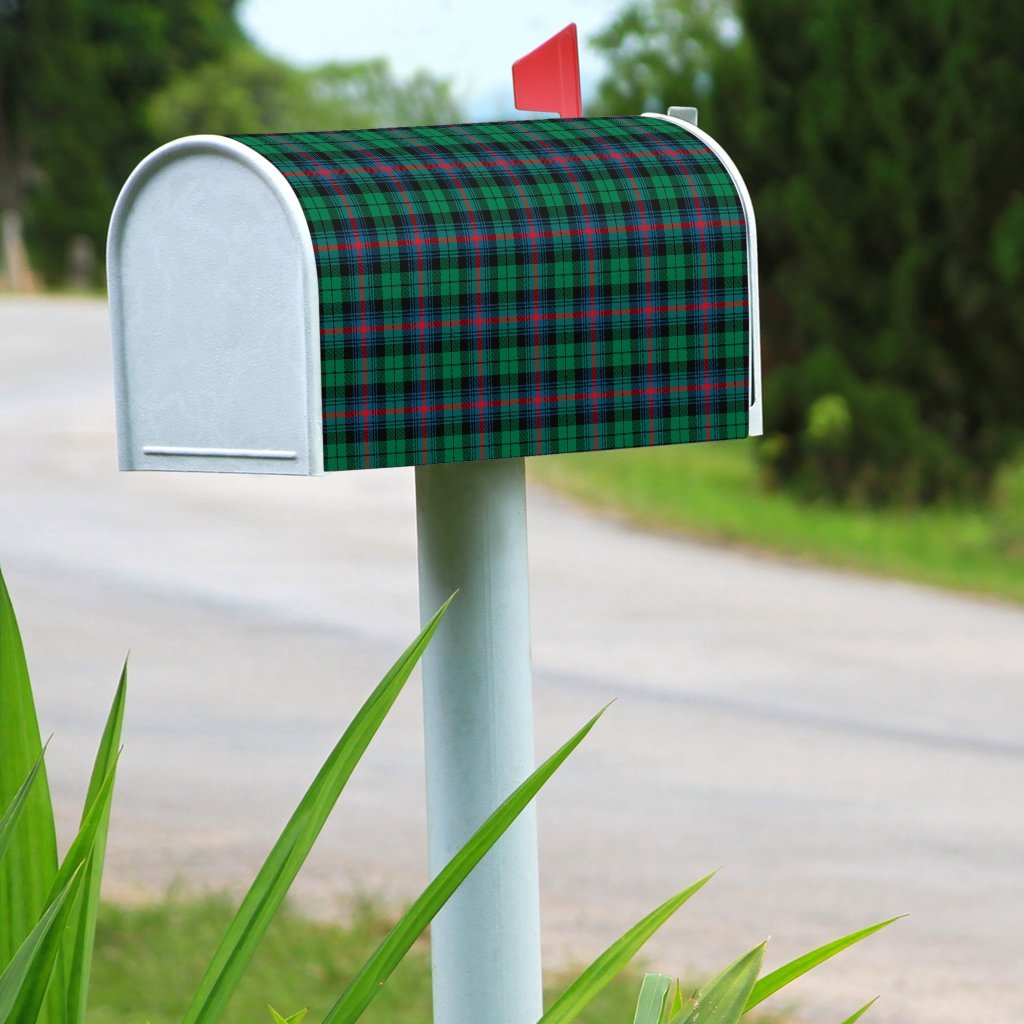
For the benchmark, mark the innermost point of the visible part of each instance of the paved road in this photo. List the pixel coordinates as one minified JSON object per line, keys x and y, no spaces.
{"x":846,"y":748}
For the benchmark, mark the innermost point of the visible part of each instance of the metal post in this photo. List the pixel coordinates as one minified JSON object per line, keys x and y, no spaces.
{"x":478,"y":720}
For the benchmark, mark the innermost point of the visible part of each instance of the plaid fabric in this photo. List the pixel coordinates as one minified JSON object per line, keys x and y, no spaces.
{"x":522,"y":288}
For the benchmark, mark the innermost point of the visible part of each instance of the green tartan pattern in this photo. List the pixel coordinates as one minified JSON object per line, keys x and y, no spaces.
{"x":522,"y":288}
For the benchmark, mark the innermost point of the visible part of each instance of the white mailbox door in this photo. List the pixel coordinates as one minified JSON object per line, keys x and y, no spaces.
{"x":215,"y":315}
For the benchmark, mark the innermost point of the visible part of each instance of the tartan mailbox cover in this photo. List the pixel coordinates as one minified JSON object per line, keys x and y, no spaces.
{"x":341,"y":300}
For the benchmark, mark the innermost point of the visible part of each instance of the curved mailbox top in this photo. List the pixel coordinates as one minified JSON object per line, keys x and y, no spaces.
{"x":481,"y":291}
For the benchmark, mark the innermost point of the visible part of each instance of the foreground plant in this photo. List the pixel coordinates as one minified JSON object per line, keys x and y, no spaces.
{"x":735,"y":991}
{"x":725,"y":999}
{"x":48,"y":910}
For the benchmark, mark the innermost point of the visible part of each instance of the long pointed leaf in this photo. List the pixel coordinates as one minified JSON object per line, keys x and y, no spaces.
{"x":723,"y":999}
{"x":676,"y":1003}
{"x":569,"y":1004}
{"x":84,"y":843}
{"x":295,"y":1018}
{"x":28,"y":870}
{"x":73,"y":866}
{"x":782,"y":976}
{"x":13,"y":813}
{"x":854,"y":1017}
{"x":25,"y":978}
{"x":651,"y":1003}
{"x":82,"y":931}
{"x":372,"y":975}
{"x":282,"y":864}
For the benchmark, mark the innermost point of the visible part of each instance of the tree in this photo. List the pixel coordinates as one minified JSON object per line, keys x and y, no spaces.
{"x":88,"y":87}
{"x":875,"y":138}
{"x":74,"y":83}
{"x":249,"y":91}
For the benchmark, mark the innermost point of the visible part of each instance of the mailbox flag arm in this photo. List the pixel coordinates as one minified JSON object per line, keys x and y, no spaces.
{"x":548,"y":78}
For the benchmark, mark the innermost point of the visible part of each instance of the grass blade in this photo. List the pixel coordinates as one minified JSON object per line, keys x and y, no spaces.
{"x":81,"y":935}
{"x":651,"y":1004}
{"x":771,"y":983}
{"x":282,"y":864}
{"x":30,"y":866}
{"x":368,"y":980}
{"x":84,"y":843}
{"x":572,"y":1001}
{"x":853,"y":1018}
{"x":723,"y":1000}
{"x":17,"y":805}
{"x":676,"y":1003}
{"x":24,"y":981}
{"x":73,"y":866}
{"x":295,"y":1018}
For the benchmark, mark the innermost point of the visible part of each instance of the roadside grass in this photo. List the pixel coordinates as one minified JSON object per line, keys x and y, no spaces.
{"x":712,"y":491}
{"x":150,"y":957}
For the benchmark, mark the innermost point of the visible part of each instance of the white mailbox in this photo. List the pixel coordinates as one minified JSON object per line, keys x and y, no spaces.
{"x":333,"y":300}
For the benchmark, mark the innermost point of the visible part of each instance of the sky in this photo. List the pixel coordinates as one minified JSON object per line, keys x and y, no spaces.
{"x":472,"y":42}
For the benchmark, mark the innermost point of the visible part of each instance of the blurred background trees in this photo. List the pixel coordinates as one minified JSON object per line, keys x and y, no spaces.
{"x":247,"y":87}
{"x":881,"y":142}
{"x":76,"y":78}
{"x":89,"y":87}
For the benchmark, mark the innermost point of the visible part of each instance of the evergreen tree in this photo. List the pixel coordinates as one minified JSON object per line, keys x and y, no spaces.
{"x":881,"y":142}
{"x":74,"y":84}
{"x":88,"y":87}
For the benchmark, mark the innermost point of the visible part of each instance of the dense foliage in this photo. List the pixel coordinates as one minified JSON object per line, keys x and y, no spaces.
{"x":249,"y":91}
{"x":880,"y":143}
{"x":88,"y":87}
{"x":76,"y":77}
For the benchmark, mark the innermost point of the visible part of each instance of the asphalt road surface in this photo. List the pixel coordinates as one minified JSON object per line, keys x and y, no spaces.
{"x":845,"y":748}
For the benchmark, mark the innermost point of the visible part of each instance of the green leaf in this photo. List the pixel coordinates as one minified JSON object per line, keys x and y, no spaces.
{"x":295,"y":1018}
{"x":372,"y":975}
{"x":723,"y":1000}
{"x":30,"y":866}
{"x":569,"y":1004}
{"x":676,"y":1005}
{"x":84,"y":843}
{"x":17,"y":805}
{"x":82,"y":930}
{"x":24,"y":981}
{"x":853,"y":1018}
{"x":651,"y":1003}
{"x":771,"y":983}
{"x":72,"y":866}
{"x":282,"y":864}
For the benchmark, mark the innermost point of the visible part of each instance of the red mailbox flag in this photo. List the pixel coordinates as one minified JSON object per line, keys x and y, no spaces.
{"x":548,"y":78}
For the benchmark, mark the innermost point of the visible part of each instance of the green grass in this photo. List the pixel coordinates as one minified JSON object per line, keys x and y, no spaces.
{"x":149,"y":959}
{"x":713,"y":491}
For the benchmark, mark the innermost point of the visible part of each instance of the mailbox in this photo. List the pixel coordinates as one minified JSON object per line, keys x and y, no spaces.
{"x":317,"y":301}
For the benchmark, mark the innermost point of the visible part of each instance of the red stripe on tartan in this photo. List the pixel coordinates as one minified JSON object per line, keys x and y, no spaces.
{"x":590,"y":263}
{"x":647,"y":276}
{"x":362,"y":316}
{"x":588,"y":396}
{"x":674,"y":156}
{"x":532,"y":235}
{"x":424,"y":434}
{"x":487,"y":321}
{"x":517,"y":236}
{"x":454,"y":178}
{"x":445,"y":166}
